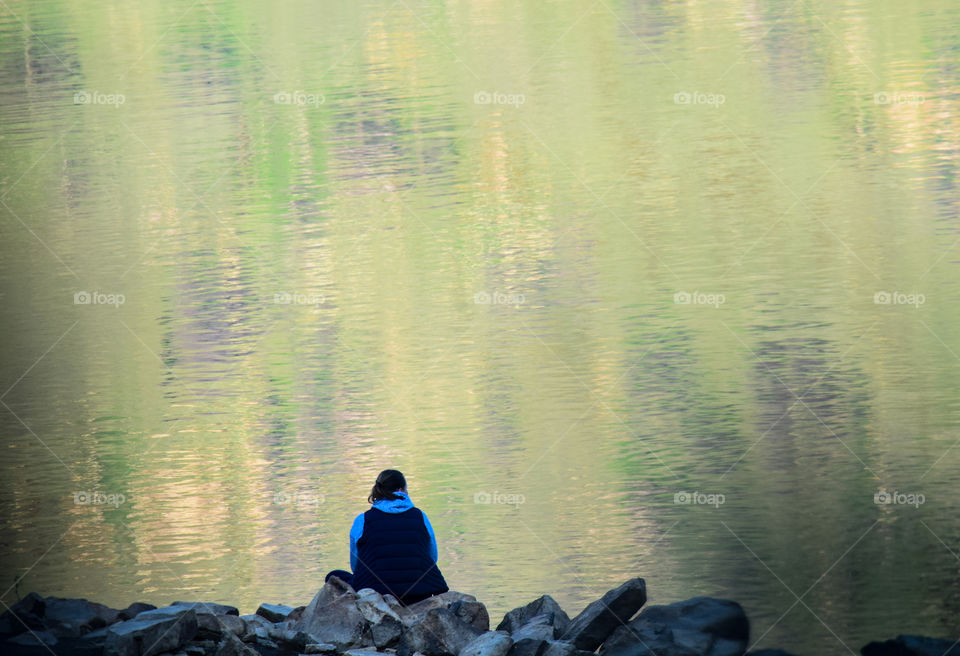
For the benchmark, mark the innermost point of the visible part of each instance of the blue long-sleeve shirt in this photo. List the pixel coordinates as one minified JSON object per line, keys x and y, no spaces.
{"x":389,"y":506}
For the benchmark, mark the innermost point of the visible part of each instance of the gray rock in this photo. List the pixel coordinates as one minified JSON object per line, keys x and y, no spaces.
{"x":290,"y":639}
{"x":296,"y":614}
{"x":319,"y":648}
{"x":769,"y":652}
{"x":382,"y":620}
{"x":274,"y":612}
{"x":473,"y":613}
{"x":252,"y":622}
{"x":362,"y":652}
{"x":439,"y":633}
{"x":133,"y":610}
{"x":35,"y":639}
{"x":528,"y":647}
{"x":701,"y":626}
{"x":72,"y":618}
{"x":414,"y":613}
{"x":232,"y":624}
{"x":491,"y":643}
{"x":194,"y":650}
{"x":911,"y":645}
{"x":599,"y":619}
{"x":207,"y":607}
{"x":147,"y":634}
{"x":540,"y":627}
{"x":231,"y":645}
{"x":332,"y":616}
{"x":563,"y":648}
{"x":545,"y":605}
{"x":26,"y":613}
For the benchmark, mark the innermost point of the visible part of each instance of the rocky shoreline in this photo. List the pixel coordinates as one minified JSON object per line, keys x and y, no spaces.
{"x":340,"y":621}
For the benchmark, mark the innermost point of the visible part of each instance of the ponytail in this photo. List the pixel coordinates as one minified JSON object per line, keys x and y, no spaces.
{"x":388,"y":482}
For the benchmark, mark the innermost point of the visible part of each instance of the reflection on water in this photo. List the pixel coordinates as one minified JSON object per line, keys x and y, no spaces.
{"x":613,"y":326}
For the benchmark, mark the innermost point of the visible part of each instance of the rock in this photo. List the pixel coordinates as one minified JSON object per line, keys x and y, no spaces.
{"x":332,"y":616}
{"x":473,"y":613}
{"x":252,"y":620}
{"x":26,"y":613}
{"x":528,"y":647}
{"x":296,"y":614}
{"x":540,"y":627}
{"x":768,"y":652}
{"x":194,"y":650}
{"x":291,"y":640}
{"x":35,"y":639}
{"x":491,"y":643}
{"x":319,"y":648}
{"x":232,"y":624}
{"x":274,"y":612}
{"x":439,"y":633}
{"x":133,"y":610}
{"x":362,"y":652}
{"x":599,"y":619}
{"x":701,"y":626}
{"x":563,"y":648}
{"x":76,"y":617}
{"x":231,"y":645}
{"x":146,"y":634}
{"x":207,"y":607}
{"x":544,"y":605}
{"x":911,"y":645}
{"x":383,"y":621}
{"x":414,"y":613}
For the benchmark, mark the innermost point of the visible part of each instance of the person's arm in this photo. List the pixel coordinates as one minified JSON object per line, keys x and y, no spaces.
{"x":356,"y":531}
{"x":433,"y":538}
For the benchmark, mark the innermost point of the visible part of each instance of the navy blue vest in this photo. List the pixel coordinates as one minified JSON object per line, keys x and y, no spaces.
{"x":394,"y":556}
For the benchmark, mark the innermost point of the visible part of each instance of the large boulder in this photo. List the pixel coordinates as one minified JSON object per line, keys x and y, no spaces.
{"x":528,"y":647}
{"x":599,"y":619}
{"x":911,"y":645}
{"x":542,"y":606}
{"x":133,"y":610}
{"x":491,"y":643}
{"x":333,"y":616}
{"x":563,"y":648}
{"x":414,"y":613}
{"x":701,"y":626}
{"x":208,"y":608}
{"x":146,"y":634}
{"x":472,"y":612}
{"x":26,"y":613}
{"x":76,"y":617}
{"x":383,"y":620}
{"x":541,"y":627}
{"x":440,"y":632}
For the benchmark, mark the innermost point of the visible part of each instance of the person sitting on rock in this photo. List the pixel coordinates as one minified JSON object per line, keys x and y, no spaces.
{"x":393,"y":549}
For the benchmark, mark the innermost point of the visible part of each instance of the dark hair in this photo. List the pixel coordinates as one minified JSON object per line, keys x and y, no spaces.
{"x":388,"y":482}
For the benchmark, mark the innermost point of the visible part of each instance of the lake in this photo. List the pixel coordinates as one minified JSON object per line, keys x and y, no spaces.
{"x":659,"y":289}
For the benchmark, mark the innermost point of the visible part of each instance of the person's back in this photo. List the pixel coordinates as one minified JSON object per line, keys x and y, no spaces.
{"x":393,"y":549}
